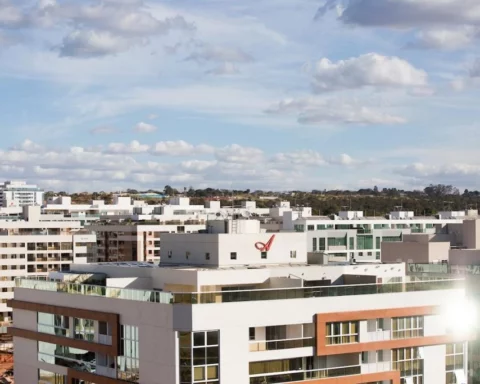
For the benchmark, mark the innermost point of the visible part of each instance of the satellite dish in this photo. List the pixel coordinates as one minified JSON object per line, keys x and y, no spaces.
{"x":246,"y":214}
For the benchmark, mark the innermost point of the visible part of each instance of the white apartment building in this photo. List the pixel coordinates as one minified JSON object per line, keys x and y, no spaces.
{"x":352,"y":236}
{"x":239,"y":307}
{"x":32,"y":246}
{"x":19,"y":193}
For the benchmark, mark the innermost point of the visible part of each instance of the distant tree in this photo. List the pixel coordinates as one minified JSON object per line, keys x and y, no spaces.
{"x":168,"y":190}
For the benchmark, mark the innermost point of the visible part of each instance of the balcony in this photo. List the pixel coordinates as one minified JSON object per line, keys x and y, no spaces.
{"x":273,"y":345}
{"x":305,"y":375}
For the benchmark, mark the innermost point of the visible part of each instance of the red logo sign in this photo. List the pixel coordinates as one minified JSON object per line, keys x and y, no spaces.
{"x":265,"y":247}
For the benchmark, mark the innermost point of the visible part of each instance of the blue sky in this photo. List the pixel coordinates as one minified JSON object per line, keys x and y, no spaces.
{"x":283,"y":94}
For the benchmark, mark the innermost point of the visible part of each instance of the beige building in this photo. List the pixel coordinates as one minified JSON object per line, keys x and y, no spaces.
{"x":460,"y":245}
{"x":137,"y":241}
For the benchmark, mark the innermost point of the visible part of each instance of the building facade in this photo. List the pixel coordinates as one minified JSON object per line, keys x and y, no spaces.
{"x":19,"y":193}
{"x":239,"y":308}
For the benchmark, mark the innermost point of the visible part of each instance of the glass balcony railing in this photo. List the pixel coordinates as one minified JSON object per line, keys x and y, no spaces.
{"x":236,"y":296}
{"x":305,"y":375}
{"x":273,"y":345}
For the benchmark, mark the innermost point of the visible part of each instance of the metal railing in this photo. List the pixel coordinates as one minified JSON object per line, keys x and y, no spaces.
{"x":218,"y":297}
{"x":277,"y":378}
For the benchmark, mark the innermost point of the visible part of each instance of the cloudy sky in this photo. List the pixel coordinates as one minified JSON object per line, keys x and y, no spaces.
{"x":259,"y":94}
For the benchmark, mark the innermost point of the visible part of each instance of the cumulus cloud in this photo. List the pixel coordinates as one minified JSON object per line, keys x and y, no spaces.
{"x":366,"y":70}
{"x":179,"y":148}
{"x":98,"y":28}
{"x":133,"y":147}
{"x":320,"y":111}
{"x":447,"y":39}
{"x":144,"y":127}
{"x":406,"y":13}
{"x":237,"y":154}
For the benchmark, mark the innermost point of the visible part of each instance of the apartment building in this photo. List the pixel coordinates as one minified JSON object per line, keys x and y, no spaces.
{"x":352,"y":236}
{"x":239,"y":307}
{"x":34,"y":246}
{"x":137,"y":241}
{"x":19,"y":193}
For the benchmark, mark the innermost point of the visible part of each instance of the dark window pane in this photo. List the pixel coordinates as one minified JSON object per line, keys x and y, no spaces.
{"x":212,"y":338}
{"x":199,"y":356}
{"x":198,"y":339}
{"x":185,"y":339}
{"x":212,"y":355}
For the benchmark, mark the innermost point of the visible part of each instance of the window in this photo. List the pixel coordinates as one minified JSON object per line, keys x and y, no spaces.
{"x":389,"y":239}
{"x":377,"y":255}
{"x":293,"y":254}
{"x":46,"y":377}
{"x":321,"y":226}
{"x":251,"y":333}
{"x":380,"y":356}
{"x":364,"y":357}
{"x":128,"y":361}
{"x":207,"y":256}
{"x":314,"y":244}
{"x":351,"y":243}
{"x":233,"y":255}
{"x":454,"y":361}
{"x":342,"y":332}
{"x":272,"y":366}
{"x":199,"y":357}
{"x":299,"y":228}
{"x":405,"y":327}
{"x":378,"y":240}
{"x":263,"y":255}
{"x":380,"y":325}
{"x":75,"y":358}
{"x":311,"y":227}
{"x":410,"y":364}
{"x":84,"y":329}
{"x":364,"y":242}
{"x":337,"y":241}
{"x":53,"y":324}
{"x":321,"y":244}
{"x":187,"y":255}
{"x":169,"y":254}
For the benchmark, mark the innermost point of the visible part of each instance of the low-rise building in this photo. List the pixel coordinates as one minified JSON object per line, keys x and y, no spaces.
{"x":18,"y":193}
{"x":238,"y":305}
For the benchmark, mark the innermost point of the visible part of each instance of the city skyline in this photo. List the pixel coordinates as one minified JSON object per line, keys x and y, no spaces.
{"x":284,"y":95}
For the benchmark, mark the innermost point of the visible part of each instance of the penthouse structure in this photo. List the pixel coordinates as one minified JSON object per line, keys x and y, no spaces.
{"x":352,"y":236}
{"x":241,"y":307}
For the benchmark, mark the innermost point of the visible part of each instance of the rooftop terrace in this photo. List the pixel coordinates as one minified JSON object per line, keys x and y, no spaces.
{"x":227,"y":296}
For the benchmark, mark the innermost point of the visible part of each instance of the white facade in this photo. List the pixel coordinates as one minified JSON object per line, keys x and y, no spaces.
{"x":19,"y":194}
{"x":240,"y":321}
{"x":34,"y":247}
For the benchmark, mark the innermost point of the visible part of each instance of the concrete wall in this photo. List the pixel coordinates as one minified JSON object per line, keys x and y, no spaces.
{"x":464,"y":256}
{"x":471,"y":233}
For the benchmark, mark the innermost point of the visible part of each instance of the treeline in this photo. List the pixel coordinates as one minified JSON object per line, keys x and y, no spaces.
{"x":373,"y":201}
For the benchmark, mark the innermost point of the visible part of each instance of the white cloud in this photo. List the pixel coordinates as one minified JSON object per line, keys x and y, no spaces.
{"x":144,"y":127}
{"x":442,"y":38}
{"x":179,"y":148}
{"x":237,"y":154}
{"x":370,"y":69}
{"x":133,"y":147}
{"x":91,"y":43}
{"x":320,"y":111}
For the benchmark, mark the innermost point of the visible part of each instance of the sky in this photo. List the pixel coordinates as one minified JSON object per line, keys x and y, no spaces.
{"x":259,"y":94}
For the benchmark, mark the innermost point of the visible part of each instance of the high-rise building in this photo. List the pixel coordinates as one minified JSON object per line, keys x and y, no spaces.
{"x":237,"y":305}
{"x":19,"y":193}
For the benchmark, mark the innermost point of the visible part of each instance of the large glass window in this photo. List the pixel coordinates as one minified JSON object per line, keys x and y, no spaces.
{"x":391,"y":238}
{"x":314,"y":244}
{"x":53,"y":324}
{"x":75,"y":358}
{"x":364,"y":242}
{"x":409,"y":361}
{"x":405,"y":327}
{"x":128,"y":362}
{"x":84,"y":329}
{"x":199,"y":357}
{"x":337,"y":241}
{"x":454,"y":362}
{"x":321,"y":244}
{"x":341,"y":332}
{"x":46,"y":377}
